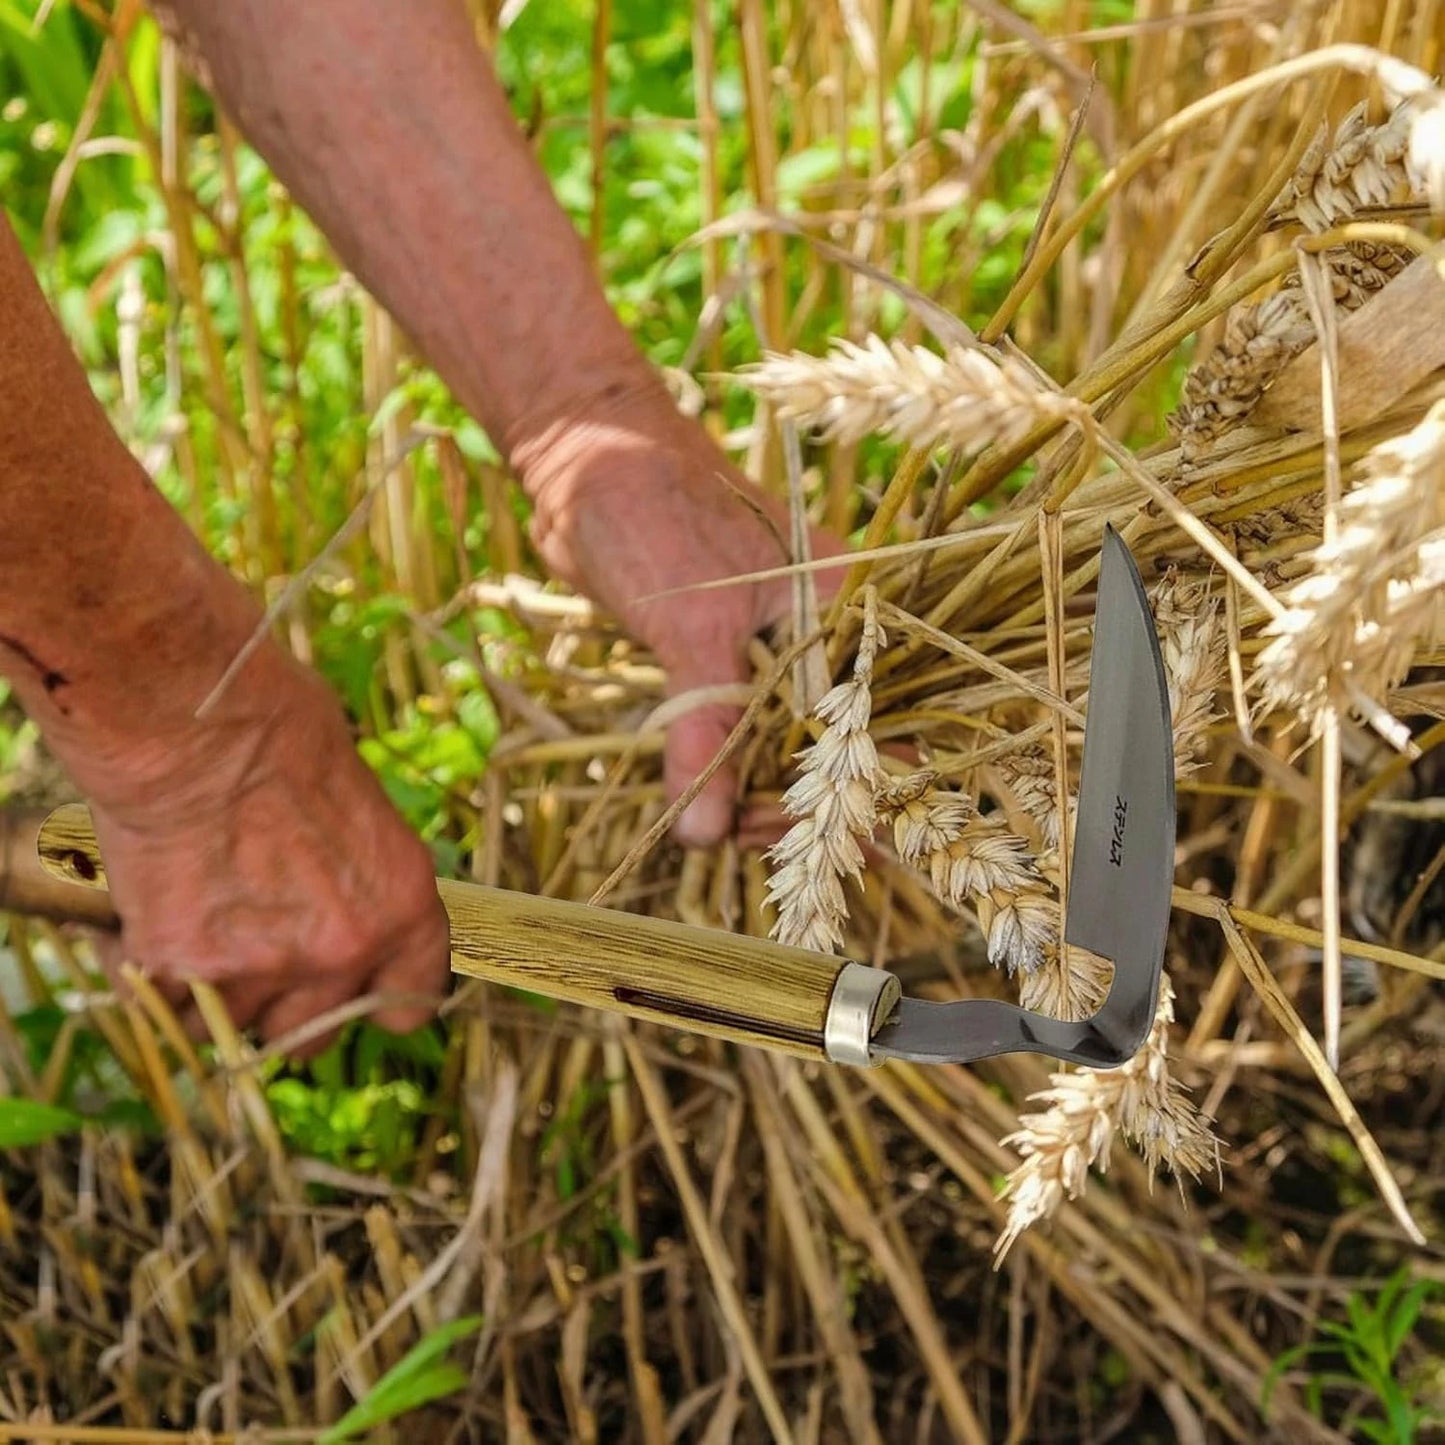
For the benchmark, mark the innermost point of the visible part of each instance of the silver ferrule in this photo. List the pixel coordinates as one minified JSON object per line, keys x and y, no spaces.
{"x":862,"y":1000}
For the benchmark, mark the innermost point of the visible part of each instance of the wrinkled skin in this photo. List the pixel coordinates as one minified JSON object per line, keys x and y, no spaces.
{"x":625,"y":513}
{"x":264,"y":858}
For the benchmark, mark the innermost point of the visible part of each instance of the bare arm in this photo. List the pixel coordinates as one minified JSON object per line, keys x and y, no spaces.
{"x":253,"y":848}
{"x":388,"y":124}
{"x":97,"y":571}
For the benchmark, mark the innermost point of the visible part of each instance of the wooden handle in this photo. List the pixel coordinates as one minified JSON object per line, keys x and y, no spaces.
{"x":30,"y":885}
{"x":703,"y":980}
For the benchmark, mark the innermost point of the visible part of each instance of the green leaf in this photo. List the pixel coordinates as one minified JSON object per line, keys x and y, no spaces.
{"x":802,"y":170}
{"x":416,"y":1379}
{"x":1402,"y":1418}
{"x":1277,"y":1370}
{"x":1407,"y":1311}
{"x":27,"y":1121}
{"x":1362,"y":1321}
{"x":473,"y":442}
{"x":479,"y":716}
{"x":391,"y":404}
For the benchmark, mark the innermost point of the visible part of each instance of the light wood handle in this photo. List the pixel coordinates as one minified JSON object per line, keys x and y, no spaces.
{"x":30,"y":886}
{"x":700,"y":979}
{"x":703,"y":980}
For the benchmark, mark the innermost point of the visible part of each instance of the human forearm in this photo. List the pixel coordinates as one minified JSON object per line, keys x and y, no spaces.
{"x":248,"y":849}
{"x":389,"y":126}
{"x":113,"y":620}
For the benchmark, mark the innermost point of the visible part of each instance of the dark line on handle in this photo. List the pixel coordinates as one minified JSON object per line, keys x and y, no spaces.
{"x":679,"y":1008}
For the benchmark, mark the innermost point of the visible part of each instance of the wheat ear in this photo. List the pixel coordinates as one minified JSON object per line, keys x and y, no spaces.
{"x":976,"y":862}
{"x":833,"y":802}
{"x":964,"y":398}
{"x":1364,"y":166}
{"x":1192,"y":641}
{"x":1086,"y":1109}
{"x":1260,"y":341}
{"x":1374,"y":593}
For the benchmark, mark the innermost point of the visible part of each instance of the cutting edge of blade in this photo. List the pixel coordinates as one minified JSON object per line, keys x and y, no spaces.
{"x":1119,"y":575}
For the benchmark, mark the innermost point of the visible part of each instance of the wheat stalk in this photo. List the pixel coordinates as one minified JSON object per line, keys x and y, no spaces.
{"x":833,"y":801}
{"x":1086,"y":1109}
{"x":964,"y":398}
{"x":1373,"y":593}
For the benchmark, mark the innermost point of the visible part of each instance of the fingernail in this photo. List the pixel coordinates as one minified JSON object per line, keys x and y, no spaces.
{"x":705,"y":821}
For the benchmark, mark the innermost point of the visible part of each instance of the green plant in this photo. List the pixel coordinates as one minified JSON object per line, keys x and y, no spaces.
{"x":418,"y":1378}
{"x":88,"y":1086}
{"x":28,"y":1121}
{"x":1364,"y":1351}
{"x":363,"y":1103}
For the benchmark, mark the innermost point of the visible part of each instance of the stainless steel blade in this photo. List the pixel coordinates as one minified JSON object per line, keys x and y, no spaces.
{"x":1123,"y":859}
{"x":1123,"y":864}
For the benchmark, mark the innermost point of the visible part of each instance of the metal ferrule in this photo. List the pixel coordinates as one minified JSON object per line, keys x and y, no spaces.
{"x":862,"y":1000}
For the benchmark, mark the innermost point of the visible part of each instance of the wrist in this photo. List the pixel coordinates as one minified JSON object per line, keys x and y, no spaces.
{"x":116,"y":682}
{"x":617,"y":402}
{"x":178,"y":762}
{"x":596,"y":457}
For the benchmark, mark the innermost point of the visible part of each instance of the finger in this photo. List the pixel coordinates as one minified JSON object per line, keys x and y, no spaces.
{"x":421,"y":966}
{"x":294,"y":1010}
{"x":693,"y":741}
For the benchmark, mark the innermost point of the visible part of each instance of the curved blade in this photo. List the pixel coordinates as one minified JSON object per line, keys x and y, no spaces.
{"x":1123,"y":864}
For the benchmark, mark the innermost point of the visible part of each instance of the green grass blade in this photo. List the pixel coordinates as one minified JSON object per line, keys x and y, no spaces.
{"x":27,"y":1121}
{"x":416,"y":1379}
